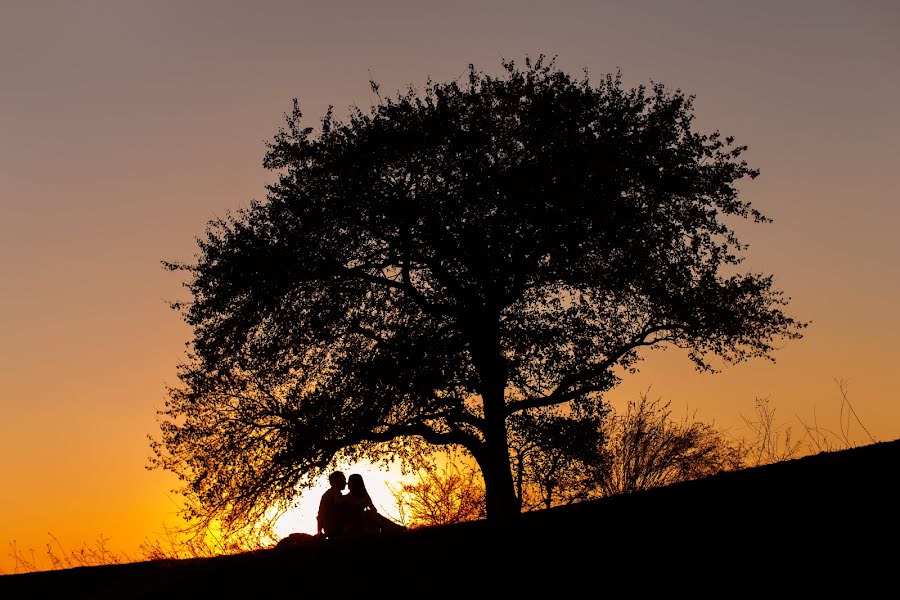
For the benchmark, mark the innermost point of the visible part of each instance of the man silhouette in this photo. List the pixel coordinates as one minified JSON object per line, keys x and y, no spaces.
{"x":330,"y":520}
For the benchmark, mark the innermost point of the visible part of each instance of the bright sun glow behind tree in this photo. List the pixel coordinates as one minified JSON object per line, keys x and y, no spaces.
{"x":379,"y":482}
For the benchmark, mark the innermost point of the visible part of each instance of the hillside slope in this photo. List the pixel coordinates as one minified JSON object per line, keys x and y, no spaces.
{"x":824,"y":525}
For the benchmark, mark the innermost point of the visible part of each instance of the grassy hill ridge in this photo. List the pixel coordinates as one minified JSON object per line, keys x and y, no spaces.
{"x":824,"y":525}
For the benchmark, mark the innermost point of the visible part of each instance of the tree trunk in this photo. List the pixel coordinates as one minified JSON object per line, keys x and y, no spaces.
{"x":500,"y":491}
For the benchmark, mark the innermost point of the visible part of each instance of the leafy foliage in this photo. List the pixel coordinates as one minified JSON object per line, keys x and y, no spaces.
{"x":433,"y":269}
{"x":557,"y":459}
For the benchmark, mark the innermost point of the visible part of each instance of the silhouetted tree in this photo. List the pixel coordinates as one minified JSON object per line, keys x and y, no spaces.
{"x":556,"y":459}
{"x":428,"y":269}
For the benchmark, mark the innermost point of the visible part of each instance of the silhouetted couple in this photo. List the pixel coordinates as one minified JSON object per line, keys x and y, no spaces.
{"x":352,"y":513}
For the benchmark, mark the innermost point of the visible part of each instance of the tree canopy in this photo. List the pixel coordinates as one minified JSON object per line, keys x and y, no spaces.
{"x":429,"y":269}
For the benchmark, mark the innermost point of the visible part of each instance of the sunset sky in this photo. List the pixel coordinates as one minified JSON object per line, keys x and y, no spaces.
{"x":125,"y":126}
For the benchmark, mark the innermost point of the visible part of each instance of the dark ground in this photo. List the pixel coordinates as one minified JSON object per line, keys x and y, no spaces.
{"x":824,"y":526}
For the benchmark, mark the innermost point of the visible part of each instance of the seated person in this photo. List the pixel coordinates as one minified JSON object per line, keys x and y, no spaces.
{"x":330,"y":520}
{"x":360,"y":515}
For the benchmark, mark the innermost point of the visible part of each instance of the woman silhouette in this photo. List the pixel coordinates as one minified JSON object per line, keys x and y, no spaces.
{"x":360,"y":515}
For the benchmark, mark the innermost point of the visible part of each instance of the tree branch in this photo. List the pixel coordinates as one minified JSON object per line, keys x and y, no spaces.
{"x":425,"y":432}
{"x":563,"y":393}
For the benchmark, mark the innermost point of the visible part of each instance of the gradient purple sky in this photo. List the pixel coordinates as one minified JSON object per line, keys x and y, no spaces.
{"x":125,"y":126}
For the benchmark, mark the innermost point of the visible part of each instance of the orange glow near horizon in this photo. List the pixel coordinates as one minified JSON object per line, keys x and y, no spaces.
{"x":125,"y":128}
{"x":379,"y":483}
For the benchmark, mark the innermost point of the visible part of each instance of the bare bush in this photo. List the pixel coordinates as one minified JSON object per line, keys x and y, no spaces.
{"x":770,"y":442}
{"x":202,"y":540}
{"x":443,"y":495}
{"x":646,"y":448}
{"x":86,"y":555}
{"x":22,"y":563}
